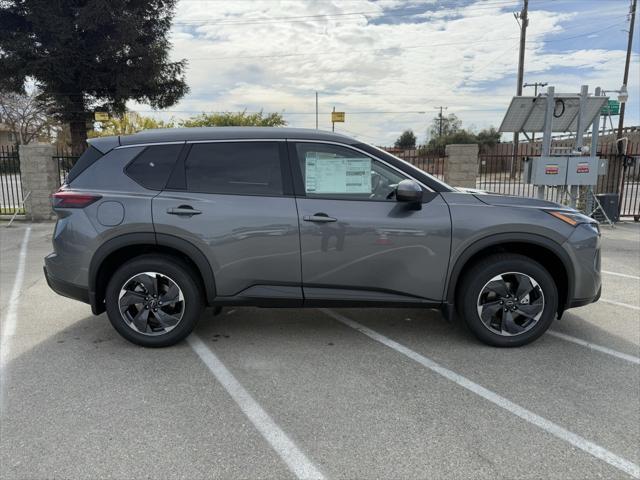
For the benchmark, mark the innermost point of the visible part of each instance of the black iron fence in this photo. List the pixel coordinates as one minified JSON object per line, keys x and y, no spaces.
{"x":431,"y":162}
{"x":623,"y":177}
{"x":500,"y":171}
{"x":65,"y":161}
{"x":11,"y":193}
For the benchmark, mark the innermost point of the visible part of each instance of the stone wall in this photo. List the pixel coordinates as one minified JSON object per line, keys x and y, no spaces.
{"x":40,"y":177}
{"x":461,"y":165}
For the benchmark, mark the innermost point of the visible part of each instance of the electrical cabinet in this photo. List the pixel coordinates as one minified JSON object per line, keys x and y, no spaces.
{"x":546,"y":170}
{"x":583,"y":170}
{"x":564,"y":170}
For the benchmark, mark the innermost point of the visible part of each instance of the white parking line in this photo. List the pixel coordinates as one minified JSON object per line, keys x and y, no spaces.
{"x":630,"y":229}
{"x":546,"y":425}
{"x":624,"y":275}
{"x":620,"y":304}
{"x":11,"y":316}
{"x":297,"y":461}
{"x":593,"y":346}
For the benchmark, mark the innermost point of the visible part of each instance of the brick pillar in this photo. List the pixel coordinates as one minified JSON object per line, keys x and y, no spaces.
{"x":40,"y":177}
{"x":461,"y":165}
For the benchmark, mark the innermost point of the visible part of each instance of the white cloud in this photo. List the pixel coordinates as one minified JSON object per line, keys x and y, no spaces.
{"x":244,"y":55}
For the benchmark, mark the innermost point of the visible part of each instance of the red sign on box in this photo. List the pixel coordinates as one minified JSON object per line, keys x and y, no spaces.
{"x":551,"y":170}
{"x":582,"y":168}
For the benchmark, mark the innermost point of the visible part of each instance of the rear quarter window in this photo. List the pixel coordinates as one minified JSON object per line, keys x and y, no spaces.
{"x":88,"y":158}
{"x":152,"y":167}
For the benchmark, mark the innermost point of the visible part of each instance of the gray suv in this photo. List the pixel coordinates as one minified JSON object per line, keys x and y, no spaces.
{"x":155,"y":226}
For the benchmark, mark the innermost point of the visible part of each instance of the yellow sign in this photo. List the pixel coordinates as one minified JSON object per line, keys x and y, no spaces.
{"x":337,"y":117}
{"x":101,"y":116}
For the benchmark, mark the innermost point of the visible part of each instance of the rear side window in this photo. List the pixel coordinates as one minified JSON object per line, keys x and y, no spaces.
{"x":87,"y":159}
{"x":241,"y":168}
{"x":152,"y":167}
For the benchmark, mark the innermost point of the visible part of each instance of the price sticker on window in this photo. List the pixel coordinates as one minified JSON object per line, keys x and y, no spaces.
{"x":337,"y":175}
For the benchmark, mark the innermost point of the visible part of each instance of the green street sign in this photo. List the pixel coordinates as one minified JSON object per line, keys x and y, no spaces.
{"x":612,"y":108}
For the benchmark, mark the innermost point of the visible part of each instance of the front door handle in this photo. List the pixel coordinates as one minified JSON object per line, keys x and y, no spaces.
{"x":319,"y":218}
{"x":183,"y":210}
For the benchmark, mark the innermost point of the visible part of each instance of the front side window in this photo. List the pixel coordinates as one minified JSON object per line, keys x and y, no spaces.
{"x":241,"y":168}
{"x":331,"y":171}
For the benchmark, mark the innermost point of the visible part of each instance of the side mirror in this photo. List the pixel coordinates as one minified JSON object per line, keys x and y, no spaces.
{"x":409,"y":191}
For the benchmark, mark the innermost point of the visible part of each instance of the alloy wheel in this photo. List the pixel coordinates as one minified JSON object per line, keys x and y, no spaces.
{"x":510,"y":304}
{"x":151,"y":303}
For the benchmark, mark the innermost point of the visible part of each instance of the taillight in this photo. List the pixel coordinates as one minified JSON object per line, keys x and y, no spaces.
{"x":71,"y":199}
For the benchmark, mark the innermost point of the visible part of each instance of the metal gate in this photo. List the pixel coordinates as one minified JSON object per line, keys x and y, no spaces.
{"x":623,"y":178}
{"x":499,"y":171}
{"x":10,"y":181}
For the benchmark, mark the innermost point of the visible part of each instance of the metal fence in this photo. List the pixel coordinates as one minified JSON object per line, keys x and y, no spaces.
{"x":65,"y":160}
{"x":11,"y":193}
{"x":431,"y":162}
{"x":500,"y":171}
{"x":623,"y":177}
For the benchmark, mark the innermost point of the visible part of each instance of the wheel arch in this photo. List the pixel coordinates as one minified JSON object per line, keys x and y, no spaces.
{"x":543,"y":250}
{"x":112,"y":253}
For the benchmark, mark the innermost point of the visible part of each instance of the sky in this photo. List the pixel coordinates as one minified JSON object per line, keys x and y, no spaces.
{"x":389,"y":64}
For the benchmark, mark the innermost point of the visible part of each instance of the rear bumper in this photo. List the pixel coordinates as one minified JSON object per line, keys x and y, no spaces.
{"x":67,"y":289}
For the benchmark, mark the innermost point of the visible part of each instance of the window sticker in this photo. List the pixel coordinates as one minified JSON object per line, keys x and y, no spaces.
{"x":336,"y":174}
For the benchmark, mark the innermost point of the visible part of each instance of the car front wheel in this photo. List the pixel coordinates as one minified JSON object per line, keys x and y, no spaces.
{"x":508,"y":300}
{"x":153,"y":300}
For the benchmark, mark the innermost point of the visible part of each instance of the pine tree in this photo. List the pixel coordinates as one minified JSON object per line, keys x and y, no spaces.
{"x":89,"y":55}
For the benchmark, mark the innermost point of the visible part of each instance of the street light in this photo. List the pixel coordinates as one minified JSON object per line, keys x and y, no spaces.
{"x":623,"y":93}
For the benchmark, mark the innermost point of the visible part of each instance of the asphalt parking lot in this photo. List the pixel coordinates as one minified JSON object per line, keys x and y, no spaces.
{"x":348,"y":393}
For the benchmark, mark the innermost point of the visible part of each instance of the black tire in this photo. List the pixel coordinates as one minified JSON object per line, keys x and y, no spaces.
{"x":181,"y":274}
{"x":485,"y":270}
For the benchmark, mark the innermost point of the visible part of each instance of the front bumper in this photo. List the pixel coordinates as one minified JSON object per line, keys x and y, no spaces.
{"x":581,"y":302}
{"x":584,"y":249}
{"x":66,"y":289}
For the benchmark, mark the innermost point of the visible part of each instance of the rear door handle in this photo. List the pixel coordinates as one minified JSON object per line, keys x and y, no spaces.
{"x":319,"y":218}
{"x":183,"y":210}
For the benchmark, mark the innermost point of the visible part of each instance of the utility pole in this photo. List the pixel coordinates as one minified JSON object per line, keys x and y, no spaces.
{"x":316,"y":110}
{"x":523,"y":21}
{"x":440,"y":121}
{"x":333,"y":124}
{"x":632,"y":14}
{"x":535,"y":85}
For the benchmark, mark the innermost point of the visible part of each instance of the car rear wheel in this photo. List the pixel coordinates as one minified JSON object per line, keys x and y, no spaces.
{"x":508,"y":300}
{"x":153,"y":300}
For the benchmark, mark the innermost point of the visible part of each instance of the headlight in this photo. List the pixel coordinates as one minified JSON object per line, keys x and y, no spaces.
{"x":572,"y":218}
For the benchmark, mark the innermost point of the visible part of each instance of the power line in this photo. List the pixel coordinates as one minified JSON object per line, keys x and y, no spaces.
{"x":340,"y":16}
{"x":394,"y":52}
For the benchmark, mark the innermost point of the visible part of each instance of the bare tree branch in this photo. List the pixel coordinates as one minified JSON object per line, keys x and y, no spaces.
{"x":25,"y":115}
